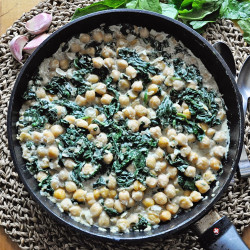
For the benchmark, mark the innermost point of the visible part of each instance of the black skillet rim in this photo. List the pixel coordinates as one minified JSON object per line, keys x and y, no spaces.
{"x":117,"y":238}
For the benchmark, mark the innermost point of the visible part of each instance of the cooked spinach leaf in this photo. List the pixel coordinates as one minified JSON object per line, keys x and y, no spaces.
{"x":142,"y":224}
{"x":59,"y":86}
{"x":100,"y":182}
{"x":45,"y":185}
{"x":188,"y":183}
{"x":111,"y":212}
{"x":29,"y":94}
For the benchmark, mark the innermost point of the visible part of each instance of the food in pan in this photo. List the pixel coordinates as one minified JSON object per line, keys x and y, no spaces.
{"x":123,"y":128}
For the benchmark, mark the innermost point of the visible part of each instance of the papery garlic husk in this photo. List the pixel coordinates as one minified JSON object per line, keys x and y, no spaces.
{"x":34,"y":43}
{"x":16,"y":46}
{"x":39,"y":23}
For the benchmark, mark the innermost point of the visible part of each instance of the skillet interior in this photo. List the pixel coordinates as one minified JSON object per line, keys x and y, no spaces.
{"x":201,"y":49}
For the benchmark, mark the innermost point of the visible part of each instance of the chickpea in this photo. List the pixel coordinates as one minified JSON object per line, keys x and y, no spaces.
{"x":70,"y":164}
{"x":220,"y":137}
{"x":108,"y":158}
{"x":155,"y":132}
{"x":124,"y":101}
{"x":163,"y":142}
{"x":133,"y":125}
{"x":122,"y":64}
{"x":187,"y":113}
{"x":181,"y":139}
{"x":36,"y":136}
{"x":202,"y":163}
{"x":103,"y":220}
{"x":122,"y":224}
{"x":195,"y":196}
{"x":208,"y":176}
{"x":172,"y":172}
{"x":70,"y":119}
{"x":137,"y":86}
{"x":215,"y":164}
{"x":53,"y":152}
{"x":193,"y":157}
{"x":54,"y":184}
{"x":111,"y":182}
{"x":104,"y":192}
{"x":63,"y":175}
{"x":92,"y":78}
{"x":152,"y":89}
{"x":178,"y":85}
{"x":205,"y":143}
{"x":80,"y":123}
{"x":109,"y":203}
{"x":129,"y":112}
{"x":94,"y":129}
{"x":153,"y":217}
{"x":115,"y":74}
{"x":96,"y":194}
{"x":185,"y":151}
{"x":90,"y":51}
{"x":165,"y":215}
{"x":140,"y":110}
{"x":163,"y":180}
{"x":218,"y":151}
{"x":74,"y":47}
{"x":157,"y":79}
{"x":97,"y":36}
{"x":59,"y":194}
{"x":66,"y":204}
{"x":101,"y":88}
{"x":210,"y":132}
{"x":90,"y":199}
{"x":144,"y":33}
{"x":171,"y":134}
{"x":131,"y":72}
{"x":160,"y":198}
{"x":185,"y":202}
{"x":84,"y":38}
{"x":80,"y":195}
{"x":54,"y":63}
{"x":108,"y":53}
{"x":144,"y":121}
{"x":75,"y":211}
{"x":159,"y":154}
{"x":124,"y":84}
{"x":170,"y":191}
{"x":40,"y":93}
{"x":95,"y":210}
{"x":202,"y":186}
{"x":41,"y":176}
{"x":64,"y":64}
{"x":151,"y":182}
{"x":154,"y":102}
{"x":221,"y":114}
{"x":88,"y":169}
{"x":101,"y":118}
{"x":124,"y":197}
{"x":150,"y":161}
{"x":90,"y":95}
{"x":60,"y":110}
{"x":148,"y":202}
{"x":70,"y":186}
{"x":26,"y":136}
{"x":109,"y":62}
{"x":172,"y":208}
{"x":106,"y":99}
{"x":42,"y":151}
{"x":108,"y":38}
{"x":118,"y":206}
{"x":190,"y":171}
{"x":98,"y":62}
{"x":137,"y":195}
{"x":57,"y":130}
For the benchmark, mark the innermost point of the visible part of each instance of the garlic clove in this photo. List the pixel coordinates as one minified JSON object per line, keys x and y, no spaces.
{"x":34,"y":43}
{"x":39,"y":23}
{"x":16,"y":46}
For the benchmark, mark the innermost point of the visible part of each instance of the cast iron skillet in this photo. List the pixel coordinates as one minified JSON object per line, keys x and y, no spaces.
{"x":199,"y":46}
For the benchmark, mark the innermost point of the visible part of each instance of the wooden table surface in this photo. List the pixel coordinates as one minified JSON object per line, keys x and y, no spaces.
{"x":10,"y":11}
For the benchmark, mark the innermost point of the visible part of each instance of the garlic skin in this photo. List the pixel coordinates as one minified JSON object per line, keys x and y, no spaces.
{"x":39,"y":23}
{"x":34,"y":43}
{"x":16,"y":46}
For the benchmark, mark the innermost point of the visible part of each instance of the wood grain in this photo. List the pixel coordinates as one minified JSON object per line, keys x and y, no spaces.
{"x":10,"y":11}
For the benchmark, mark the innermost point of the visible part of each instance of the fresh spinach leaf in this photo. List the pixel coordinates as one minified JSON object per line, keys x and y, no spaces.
{"x":245,"y":26}
{"x":199,"y":24}
{"x":169,"y":10}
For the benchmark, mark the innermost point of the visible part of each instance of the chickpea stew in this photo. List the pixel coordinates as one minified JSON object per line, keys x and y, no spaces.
{"x":123,"y":128}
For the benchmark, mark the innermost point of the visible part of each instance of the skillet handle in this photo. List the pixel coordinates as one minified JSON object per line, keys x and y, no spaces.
{"x":222,"y":235}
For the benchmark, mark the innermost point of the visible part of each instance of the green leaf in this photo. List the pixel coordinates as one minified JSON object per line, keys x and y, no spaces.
{"x":151,"y":5}
{"x":103,"y":5}
{"x":245,"y":26}
{"x":199,"y":24}
{"x":200,"y":9}
{"x":232,"y":9}
{"x":169,"y":10}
